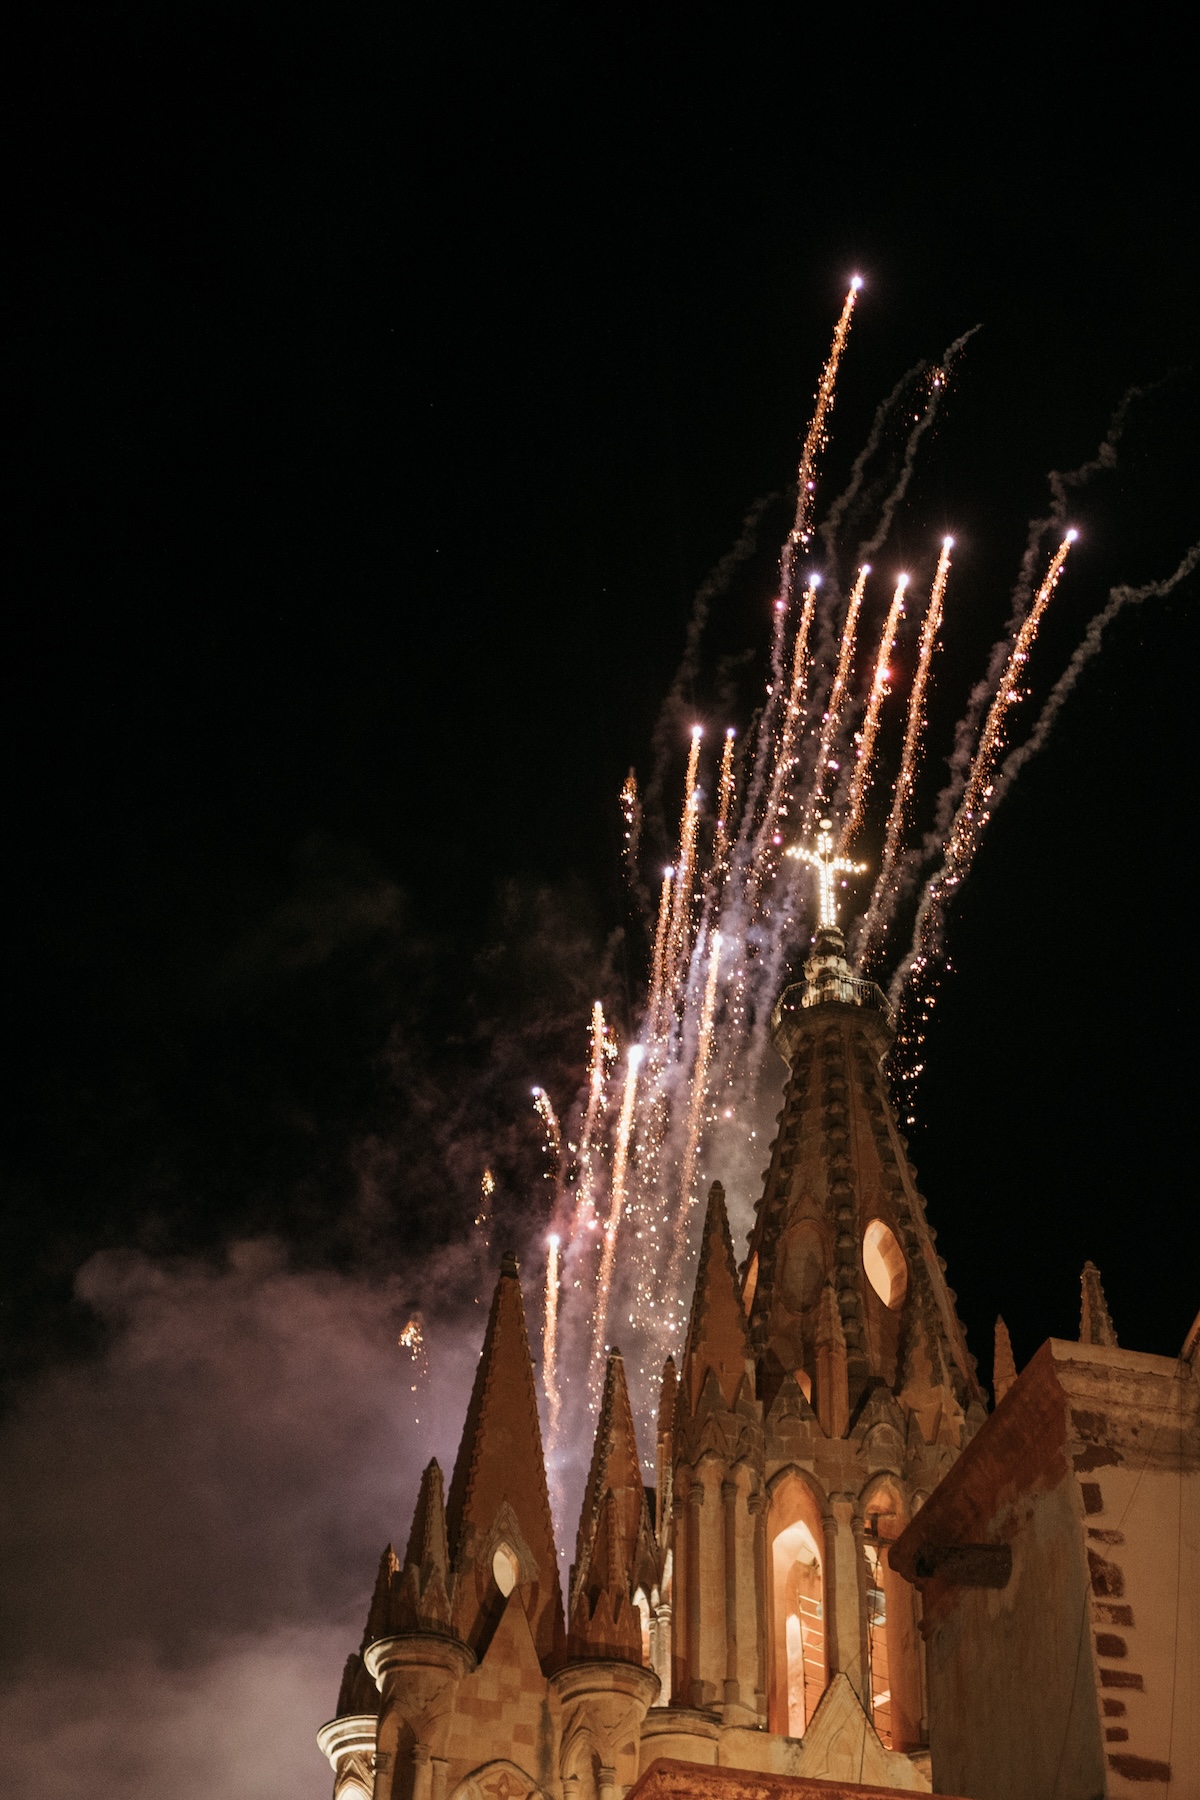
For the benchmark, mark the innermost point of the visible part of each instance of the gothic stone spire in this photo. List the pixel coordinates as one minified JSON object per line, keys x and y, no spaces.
{"x":716,"y":1338}
{"x":498,"y":1496}
{"x":840,"y":1208}
{"x":1004,"y":1367}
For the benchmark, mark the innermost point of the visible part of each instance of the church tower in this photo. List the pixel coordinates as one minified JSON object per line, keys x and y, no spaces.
{"x":755,"y":1621}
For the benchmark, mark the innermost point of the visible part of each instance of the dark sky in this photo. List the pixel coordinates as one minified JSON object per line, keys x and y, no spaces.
{"x":384,"y":393}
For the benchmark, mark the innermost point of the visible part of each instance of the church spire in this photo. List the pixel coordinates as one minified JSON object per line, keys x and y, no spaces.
{"x":498,"y":1522}
{"x":840,"y":1208}
{"x":717,"y":1338}
{"x":1095,"y":1324}
{"x":614,"y":1537}
{"x":422,"y":1590}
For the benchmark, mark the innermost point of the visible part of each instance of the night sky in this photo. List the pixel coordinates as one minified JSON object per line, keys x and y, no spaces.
{"x":383,"y":394}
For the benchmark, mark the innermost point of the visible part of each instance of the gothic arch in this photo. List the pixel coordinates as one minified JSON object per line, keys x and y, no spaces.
{"x":797,"y":1599}
{"x":893,"y":1640}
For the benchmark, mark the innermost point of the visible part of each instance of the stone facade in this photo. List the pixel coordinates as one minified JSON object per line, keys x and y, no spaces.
{"x":1059,"y":1566}
{"x":770,"y":1623}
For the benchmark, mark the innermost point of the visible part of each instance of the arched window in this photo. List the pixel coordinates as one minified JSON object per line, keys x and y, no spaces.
{"x":643,"y":1608}
{"x":506,"y":1571}
{"x":893,"y":1654}
{"x":799,"y":1665}
{"x":884,"y":1263}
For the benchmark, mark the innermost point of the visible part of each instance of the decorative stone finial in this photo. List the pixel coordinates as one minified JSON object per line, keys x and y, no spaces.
{"x":1004,"y":1367}
{"x":1095,"y":1323}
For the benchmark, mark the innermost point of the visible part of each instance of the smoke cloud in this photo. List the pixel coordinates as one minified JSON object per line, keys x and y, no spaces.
{"x":194,"y":1518}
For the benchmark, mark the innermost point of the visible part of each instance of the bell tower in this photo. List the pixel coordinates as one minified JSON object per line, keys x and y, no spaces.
{"x":859,"y":1392}
{"x":843,"y":1286}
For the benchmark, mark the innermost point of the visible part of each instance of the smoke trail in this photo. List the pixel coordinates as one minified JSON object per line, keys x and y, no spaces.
{"x":884,"y":895}
{"x":1118,"y":599}
{"x":938,"y":383}
{"x":676,"y":708}
{"x":832,"y":524}
{"x":860,"y":781}
{"x":1062,"y":485}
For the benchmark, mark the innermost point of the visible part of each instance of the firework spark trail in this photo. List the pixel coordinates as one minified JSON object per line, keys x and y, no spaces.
{"x":832,"y":524}
{"x":974,"y":808}
{"x":798,"y":538}
{"x":550,"y":1347}
{"x":817,"y":435}
{"x":883,"y":897}
{"x":837,"y":693}
{"x":483,"y":1226}
{"x":620,"y":1171}
{"x":544,"y":1107}
{"x":725,"y":797}
{"x":793,"y":718}
{"x":599,"y":1047}
{"x":860,"y":781}
{"x":678,"y":936}
{"x":695,"y":1119}
{"x":631,"y":843}
{"x":658,"y":960}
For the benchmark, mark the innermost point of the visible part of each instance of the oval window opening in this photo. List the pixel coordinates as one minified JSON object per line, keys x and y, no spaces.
{"x":884,"y":1263}
{"x":505,"y":1570}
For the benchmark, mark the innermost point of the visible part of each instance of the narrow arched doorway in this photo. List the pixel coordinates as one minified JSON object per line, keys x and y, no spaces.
{"x":799,"y":1672}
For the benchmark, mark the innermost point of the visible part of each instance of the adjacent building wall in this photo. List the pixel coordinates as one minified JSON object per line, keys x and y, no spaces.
{"x":1078,"y":1677}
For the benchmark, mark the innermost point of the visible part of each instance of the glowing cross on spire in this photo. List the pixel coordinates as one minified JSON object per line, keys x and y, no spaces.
{"x":828,"y":864}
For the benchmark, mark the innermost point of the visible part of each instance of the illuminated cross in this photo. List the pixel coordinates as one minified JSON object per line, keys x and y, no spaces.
{"x":828,"y":865}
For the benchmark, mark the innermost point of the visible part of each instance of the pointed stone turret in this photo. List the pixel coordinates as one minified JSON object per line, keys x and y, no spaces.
{"x":717,"y":1340}
{"x":614,"y":1551}
{"x":379,"y":1616}
{"x":1095,"y":1324}
{"x":1004,"y":1368}
{"x":616,"y":1469}
{"x":498,"y":1521}
{"x":422,"y":1591}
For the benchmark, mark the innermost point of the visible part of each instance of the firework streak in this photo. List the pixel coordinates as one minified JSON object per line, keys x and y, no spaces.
{"x":860,"y":781}
{"x":695,"y":1114}
{"x":785,"y":750}
{"x":735,"y":916}
{"x":613,"y":1225}
{"x":883,"y":899}
{"x":550,"y":1346}
{"x":837,"y":693}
